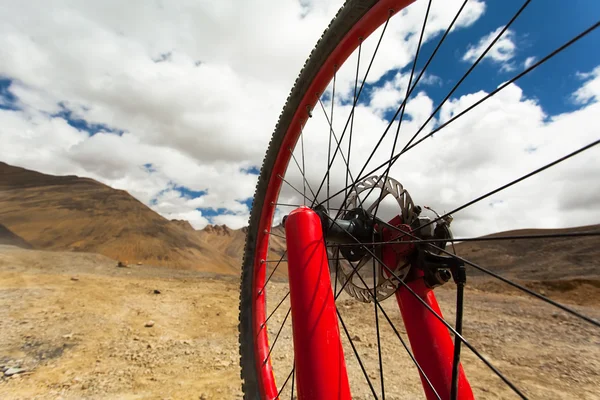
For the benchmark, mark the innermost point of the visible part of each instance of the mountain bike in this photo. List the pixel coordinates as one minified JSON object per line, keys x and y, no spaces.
{"x":354,"y":229}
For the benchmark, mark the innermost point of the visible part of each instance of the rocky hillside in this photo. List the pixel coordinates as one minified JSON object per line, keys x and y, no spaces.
{"x":81,"y":214}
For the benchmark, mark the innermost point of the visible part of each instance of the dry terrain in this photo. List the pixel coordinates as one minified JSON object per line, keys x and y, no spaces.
{"x":76,"y":325}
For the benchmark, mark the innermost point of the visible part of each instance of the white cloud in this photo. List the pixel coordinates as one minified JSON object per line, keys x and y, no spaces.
{"x":529,"y":61}
{"x":209,"y":109}
{"x":590,"y":91}
{"x":501,"y":52}
{"x":199,"y":116}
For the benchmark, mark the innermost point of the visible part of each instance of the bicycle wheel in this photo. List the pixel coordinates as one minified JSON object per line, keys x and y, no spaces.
{"x":287,"y":180}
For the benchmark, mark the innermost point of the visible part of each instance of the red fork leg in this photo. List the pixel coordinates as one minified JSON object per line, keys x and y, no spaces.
{"x":430,"y":341}
{"x":320,"y":367}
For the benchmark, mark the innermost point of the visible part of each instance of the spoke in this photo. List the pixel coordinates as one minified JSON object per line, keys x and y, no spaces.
{"x":460,"y":289}
{"x":287,"y":205}
{"x":286,"y":381}
{"x":275,"y":234}
{"x":362,"y":85}
{"x":498,"y":89}
{"x":337,"y":267}
{"x":362,"y":262}
{"x":487,"y":271}
{"x":403,"y":102}
{"x":330,"y":134}
{"x":277,"y":336}
{"x":524,"y":289}
{"x":377,"y":328}
{"x":460,"y":81}
{"x":514,"y":182}
{"x":412,"y":357}
{"x":292,"y":186}
{"x":272,"y":272}
{"x":355,"y":270}
{"x":305,"y":182}
{"x":525,"y":4}
{"x":412,"y":72}
{"x":303,"y":165}
{"x":479,"y":239}
{"x":440,"y":318}
{"x":362,"y":367}
{"x":293,"y":378}
{"x":352,"y":115}
{"x":273,"y":312}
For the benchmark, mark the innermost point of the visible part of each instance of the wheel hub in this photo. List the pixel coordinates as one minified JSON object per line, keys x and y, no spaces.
{"x":356,"y":270}
{"x":359,"y":242}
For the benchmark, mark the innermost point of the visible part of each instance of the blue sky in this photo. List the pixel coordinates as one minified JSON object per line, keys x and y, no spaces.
{"x":139,"y":112}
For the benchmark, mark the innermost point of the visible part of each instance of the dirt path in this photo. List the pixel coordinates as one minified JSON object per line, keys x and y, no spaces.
{"x":76,"y":324}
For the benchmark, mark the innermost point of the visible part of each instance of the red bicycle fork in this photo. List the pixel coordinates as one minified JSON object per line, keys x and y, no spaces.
{"x":320,"y":368}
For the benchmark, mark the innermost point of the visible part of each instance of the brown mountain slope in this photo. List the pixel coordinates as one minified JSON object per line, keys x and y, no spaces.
{"x":9,"y":238}
{"x":72,"y":213}
{"x":538,"y":259}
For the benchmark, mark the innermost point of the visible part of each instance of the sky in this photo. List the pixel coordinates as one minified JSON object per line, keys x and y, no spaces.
{"x":176,"y":101}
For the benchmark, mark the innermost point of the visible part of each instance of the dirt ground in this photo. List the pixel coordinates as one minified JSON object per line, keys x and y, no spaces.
{"x":76,"y":324}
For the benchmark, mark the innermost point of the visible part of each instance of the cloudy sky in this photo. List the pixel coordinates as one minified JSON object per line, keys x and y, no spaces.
{"x":175,"y":102}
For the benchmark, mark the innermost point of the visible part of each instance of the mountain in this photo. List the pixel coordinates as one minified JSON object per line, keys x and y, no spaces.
{"x":81,"y":214}
{"x":538,"y":259}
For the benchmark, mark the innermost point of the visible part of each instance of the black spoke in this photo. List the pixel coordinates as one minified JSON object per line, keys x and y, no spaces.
{"x":273,"y":312}
{"x":377,"y":329}
{"x":437,"y":316}
{"x":293,"y":378}
{"x":362,"y":85}
{"x":362,"y":262}
{"x":412,"y":72}
{"x":362,"y":367}
{"x":337,"y":267}
{"x":514,"y":182}
{"x":330,"y":134}
{"x":378,"y":304}
{"x":352,"y":114}
{"x":494,"y":92}
{"x":338,"y":144}
{"x":412,"y":357}
{"x":460,"y":290}
{"x":401,"y":107}
{"x":275,"y":234}
{"x":479,"y":239}
{"x":305,"y":182}
{"x":524,"y":289}
{"x":460,"y":81}
{"x":286,"y":381}
{"x":272,"y":272}
{"x":277,"y":336}
{"x":487,"y":271}
{"x":292,"y":186}
{"x":303,"y":164}
{"x":499,"y":88}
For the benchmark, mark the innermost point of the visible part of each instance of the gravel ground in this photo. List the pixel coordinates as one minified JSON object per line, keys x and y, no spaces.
{"x":79,"y":328}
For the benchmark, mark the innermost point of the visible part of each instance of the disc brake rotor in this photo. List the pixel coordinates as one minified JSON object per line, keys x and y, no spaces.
{"x":346,"y":260}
